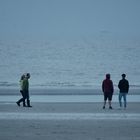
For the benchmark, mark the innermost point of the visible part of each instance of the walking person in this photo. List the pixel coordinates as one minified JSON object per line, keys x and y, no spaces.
{"x":108,"y":89}
{"x":25,"y":89}
{"x":21,"y":91}
{"x":124,"y":88}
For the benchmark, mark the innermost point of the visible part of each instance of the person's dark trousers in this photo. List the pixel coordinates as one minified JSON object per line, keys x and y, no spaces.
{"x":23,"y":100}
{"x":27,"y":96}
{"x":19,"y":101}
{"x":28,"y":103}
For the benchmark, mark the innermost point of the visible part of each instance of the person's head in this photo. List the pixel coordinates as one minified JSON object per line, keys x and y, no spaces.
{"x":108,"y":76}
{"x":123,"y":76}
{"x":28,"y":75}
{"x":22,"y":77}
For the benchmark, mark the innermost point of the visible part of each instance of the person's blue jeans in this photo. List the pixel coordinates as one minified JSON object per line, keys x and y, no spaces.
{"x":122,"y":95}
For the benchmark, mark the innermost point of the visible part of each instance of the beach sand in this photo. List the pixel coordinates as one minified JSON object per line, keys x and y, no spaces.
{"x":69,"y":121}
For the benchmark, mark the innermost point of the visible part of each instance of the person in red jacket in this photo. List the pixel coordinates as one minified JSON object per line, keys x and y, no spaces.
{"x":108,"y":89}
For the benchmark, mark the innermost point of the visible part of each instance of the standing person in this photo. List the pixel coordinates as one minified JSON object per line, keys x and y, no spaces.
{"x":21,"y":91}
{"x":108,"y":89}
{"x":124,"y":88}
{"x":26,"y":89}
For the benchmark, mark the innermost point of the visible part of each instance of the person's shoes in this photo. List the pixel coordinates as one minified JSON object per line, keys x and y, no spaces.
{"x":24,"y":105}
{"x":29,"y":106}
{"x":18,"y":103}
{"x":110,"y":107}
{"x":28,"y":103}
{"x":103,"y":107}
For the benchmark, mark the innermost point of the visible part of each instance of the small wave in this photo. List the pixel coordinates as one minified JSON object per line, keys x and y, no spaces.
{"x":7,"y":84}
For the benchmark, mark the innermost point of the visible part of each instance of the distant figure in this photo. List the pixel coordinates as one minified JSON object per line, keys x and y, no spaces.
{"x":124,"y":88}
{"x":108,"y":89}
{"x":25,"y":89}
{"x":21,"y":91}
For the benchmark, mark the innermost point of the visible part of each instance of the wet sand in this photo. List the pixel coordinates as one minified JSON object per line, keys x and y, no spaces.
{"x":68,"y":121}
{"x":69,"y":130}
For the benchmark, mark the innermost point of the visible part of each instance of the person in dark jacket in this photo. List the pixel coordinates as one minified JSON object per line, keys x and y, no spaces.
{"x":124,"y":88}
{"x":108,"y":89}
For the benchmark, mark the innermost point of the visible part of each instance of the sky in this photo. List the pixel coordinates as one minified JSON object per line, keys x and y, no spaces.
{"x":69,"y":19}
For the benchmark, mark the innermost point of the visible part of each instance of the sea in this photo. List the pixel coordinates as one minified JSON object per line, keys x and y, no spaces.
{"x":76,"y":63}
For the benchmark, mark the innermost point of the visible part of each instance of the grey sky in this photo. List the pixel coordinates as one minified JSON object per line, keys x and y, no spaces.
{"x":37,"y":19}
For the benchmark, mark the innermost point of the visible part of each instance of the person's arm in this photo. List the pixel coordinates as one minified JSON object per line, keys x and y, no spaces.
{"x":119,"y":85}
{"x":112,"y":87}
{"x":103,"y":86}
{"x":127,"y":86}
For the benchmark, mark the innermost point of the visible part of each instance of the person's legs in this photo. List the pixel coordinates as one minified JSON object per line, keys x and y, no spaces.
{"x":120,"y":99}
{"x":28,"y":103}
{"x":28,"y":99}
{"x":124,"y":98}
{"x":104,"y":104}
{"x":23,"y":95}
{"x":109,"y":100}
{"x":105,"y":98}
{"x":19,"y":101}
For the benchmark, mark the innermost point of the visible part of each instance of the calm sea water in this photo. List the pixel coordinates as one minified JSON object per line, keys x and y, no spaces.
{"x":75,"y":63}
